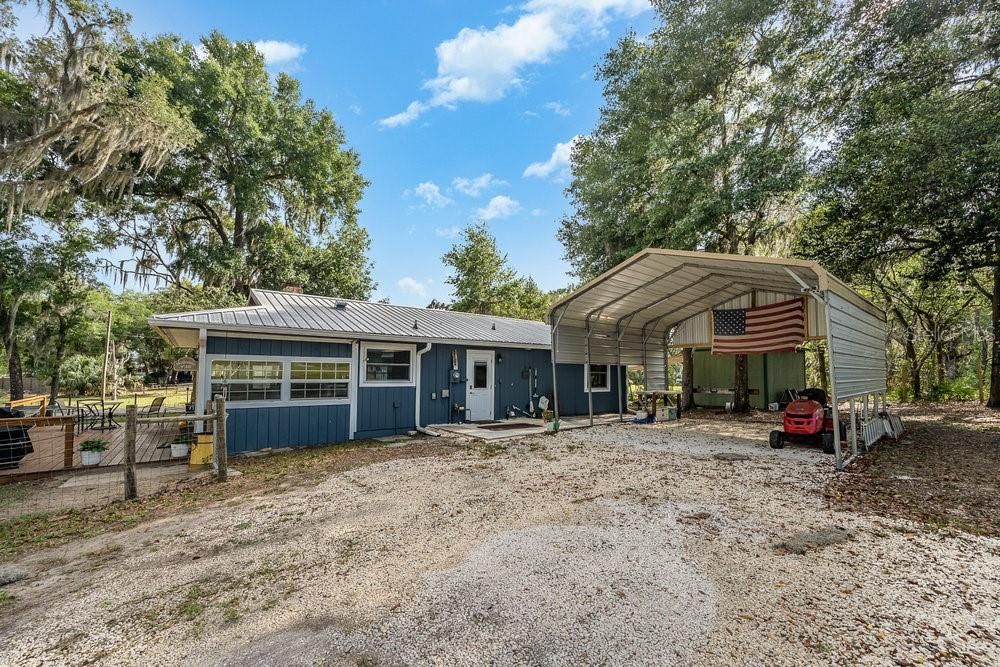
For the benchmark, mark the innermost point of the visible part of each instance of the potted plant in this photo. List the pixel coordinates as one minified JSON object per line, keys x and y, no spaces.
{"x":180,"y":448}
{"x":90,"y":451}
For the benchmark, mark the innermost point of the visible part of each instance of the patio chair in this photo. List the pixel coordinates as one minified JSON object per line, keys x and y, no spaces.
{"x":155,"y":408}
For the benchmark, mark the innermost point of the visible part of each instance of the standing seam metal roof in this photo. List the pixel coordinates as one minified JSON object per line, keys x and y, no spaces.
{"x":306,"y":313}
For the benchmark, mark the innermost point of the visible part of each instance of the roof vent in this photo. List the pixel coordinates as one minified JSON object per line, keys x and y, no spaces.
{"x":340,"y":305}
{"x":494,"y":327}
{"x":415,"y":324}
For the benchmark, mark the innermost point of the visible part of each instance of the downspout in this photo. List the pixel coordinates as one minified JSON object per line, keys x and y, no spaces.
{"x":419,"y":372}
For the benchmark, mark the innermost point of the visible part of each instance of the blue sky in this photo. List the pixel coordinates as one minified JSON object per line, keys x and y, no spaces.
{"x":431,"y":93}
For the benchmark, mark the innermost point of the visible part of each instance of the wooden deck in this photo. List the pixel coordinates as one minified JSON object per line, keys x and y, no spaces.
{"x":50,"y":443}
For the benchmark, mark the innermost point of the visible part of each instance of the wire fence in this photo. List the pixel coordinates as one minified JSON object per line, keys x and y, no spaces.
{"x":50,"y":464}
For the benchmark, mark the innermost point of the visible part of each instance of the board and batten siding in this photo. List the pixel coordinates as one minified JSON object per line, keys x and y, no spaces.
{"x":268,"y":347}
{"x":251,"y":429}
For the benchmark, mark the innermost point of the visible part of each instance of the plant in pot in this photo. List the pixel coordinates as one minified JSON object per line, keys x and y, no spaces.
{"x":91,"y":450}
{"x":180,"y":448}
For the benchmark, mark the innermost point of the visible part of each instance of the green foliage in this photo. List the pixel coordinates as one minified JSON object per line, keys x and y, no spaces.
{"x":81,"y":374}
{"x":701,"y":140}
{"x":267,"y":193}
{"x":93,"y":446}
{"x":484,"y":282}
{"x":951,"y":391}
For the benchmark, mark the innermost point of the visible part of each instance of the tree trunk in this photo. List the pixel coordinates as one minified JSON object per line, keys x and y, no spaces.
{"x":824,"y":376}
{"x":994,"y":400}
{"x":687,"y":379}
{"x":56,"y":378}
{"x":741,"y":392}
{"x":16,"y":373}
{"x":910,"y":349}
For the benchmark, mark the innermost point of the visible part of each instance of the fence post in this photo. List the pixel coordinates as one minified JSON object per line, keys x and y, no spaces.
{"x":131,"y":428}
{"x":69,"y":437}
{"x":221,"y":455}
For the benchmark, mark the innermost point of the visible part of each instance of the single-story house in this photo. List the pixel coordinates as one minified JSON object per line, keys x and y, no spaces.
{"x":298,"y":369}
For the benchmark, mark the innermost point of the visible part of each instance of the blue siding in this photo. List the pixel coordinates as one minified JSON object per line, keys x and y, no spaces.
{"x":250,"y":429}
{"x":276,"y":348}
{"x":385,"y":411}
{"x":573,"y":397}
{"x":512,"y":388}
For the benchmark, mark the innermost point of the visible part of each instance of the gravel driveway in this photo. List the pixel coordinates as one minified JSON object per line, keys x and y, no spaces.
{"x":614,"y":545}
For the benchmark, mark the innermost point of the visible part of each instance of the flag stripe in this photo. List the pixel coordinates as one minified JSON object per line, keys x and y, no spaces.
{"x":776,"y":327}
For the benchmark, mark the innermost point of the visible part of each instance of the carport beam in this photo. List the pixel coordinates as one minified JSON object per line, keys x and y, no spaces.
{"x":618,"y":372}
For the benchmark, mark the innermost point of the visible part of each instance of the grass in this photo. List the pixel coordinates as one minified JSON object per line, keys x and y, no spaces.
{"x":6,"y":598}
{"x":260,"y":476}
{"x":176,"y":396}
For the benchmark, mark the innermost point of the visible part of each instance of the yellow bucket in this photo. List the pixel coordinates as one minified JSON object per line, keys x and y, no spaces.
{"x":201,"y":453}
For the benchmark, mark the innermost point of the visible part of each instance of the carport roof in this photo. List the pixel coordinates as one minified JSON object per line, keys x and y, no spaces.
{"x":657,"y":289}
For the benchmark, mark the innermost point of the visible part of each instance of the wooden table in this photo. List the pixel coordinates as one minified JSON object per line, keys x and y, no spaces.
{"x":653,"y":394}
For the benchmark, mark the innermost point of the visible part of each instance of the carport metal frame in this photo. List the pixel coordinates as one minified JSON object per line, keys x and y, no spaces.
{"x":746,"y":275}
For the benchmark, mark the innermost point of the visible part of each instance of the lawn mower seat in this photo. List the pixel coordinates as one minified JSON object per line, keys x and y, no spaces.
{"x":814,"y":394}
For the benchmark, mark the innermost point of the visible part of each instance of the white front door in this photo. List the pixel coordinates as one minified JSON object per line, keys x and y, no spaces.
{"x":479,"y":384}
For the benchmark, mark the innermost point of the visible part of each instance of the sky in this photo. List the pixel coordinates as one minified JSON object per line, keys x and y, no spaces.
{"x":459,"y":110}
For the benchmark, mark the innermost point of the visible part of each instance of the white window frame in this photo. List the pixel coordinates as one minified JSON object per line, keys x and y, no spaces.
{"x":318,"y":360}
{"x":586,"y":379}
{"x":286,"y":381}
{"x":374,"y":345}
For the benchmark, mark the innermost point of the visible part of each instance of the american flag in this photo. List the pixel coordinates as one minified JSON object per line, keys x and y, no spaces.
{"x":778,"y":327}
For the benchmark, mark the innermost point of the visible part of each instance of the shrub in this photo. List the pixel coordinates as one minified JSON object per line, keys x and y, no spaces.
{"x":93,"y":446}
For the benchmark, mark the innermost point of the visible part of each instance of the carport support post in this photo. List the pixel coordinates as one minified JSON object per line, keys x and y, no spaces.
{"x":854,"y":428}
{"x":618,"y":372}
{"x":590,"y":388}
{"x":555,"y":355}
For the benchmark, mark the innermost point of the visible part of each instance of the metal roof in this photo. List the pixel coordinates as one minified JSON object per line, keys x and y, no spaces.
{"x":306,"y":314}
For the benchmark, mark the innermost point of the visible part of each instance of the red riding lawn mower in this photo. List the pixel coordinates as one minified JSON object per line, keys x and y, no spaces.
{"x":808,"y":419}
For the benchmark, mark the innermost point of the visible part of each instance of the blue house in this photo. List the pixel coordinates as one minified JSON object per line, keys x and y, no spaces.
{"x":298,"y":369}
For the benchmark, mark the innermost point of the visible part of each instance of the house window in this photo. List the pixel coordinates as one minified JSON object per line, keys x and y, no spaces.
{"x":319,"y":379}
{"x":598,"y":378}
{"x":240,"y":380}
{"x":385,"y":365}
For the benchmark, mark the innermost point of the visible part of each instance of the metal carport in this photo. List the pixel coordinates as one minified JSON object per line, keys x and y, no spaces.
{"x":626,"y":316}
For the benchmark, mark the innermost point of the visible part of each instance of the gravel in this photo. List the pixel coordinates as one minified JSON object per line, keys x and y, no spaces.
{"x":613,"y":545}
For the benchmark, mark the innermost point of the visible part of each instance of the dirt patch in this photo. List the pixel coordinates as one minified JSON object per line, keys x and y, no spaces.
{"x":942,"y":473}
{"x":614,"y":545}
{"x":261,"y":475}
{"x":810,"y":540}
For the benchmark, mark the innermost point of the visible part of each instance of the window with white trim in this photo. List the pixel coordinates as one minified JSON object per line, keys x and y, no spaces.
{"x":598,"y":376}
{"x":247,"y":380}
{"x":388,"y":365}
{"x":319,"y":379}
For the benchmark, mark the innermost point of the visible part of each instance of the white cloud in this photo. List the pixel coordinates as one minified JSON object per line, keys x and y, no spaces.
{"x":557,"y":163}
{"x":500,"y":206}
{"x":473,"y":186}
{"x":412,"y":286}
{"x":557,"y":108}
{"x":276,"y":52}
{"x":448,"y":232}
{"x":354,"y":109}
{"x":483,"y":64}
{"x":431,"y":194}
{"x":536,"y":212}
